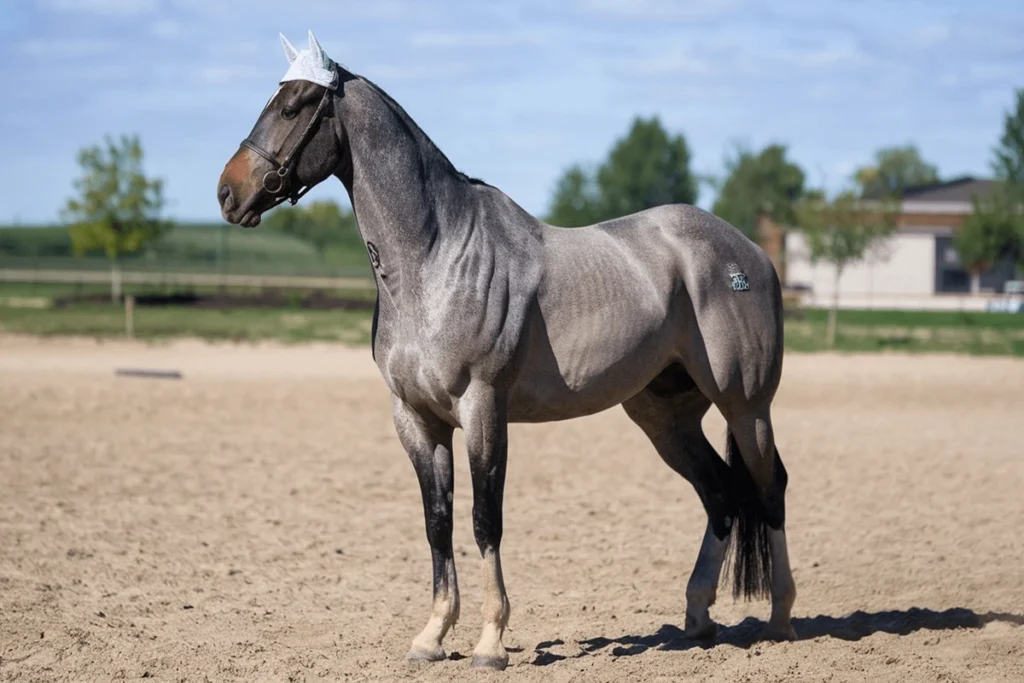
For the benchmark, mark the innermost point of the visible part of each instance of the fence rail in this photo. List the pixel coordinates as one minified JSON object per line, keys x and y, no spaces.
{"x":185,"y":279}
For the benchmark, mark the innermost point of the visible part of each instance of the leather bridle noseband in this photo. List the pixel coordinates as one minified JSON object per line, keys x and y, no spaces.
{"x":281,"y":181}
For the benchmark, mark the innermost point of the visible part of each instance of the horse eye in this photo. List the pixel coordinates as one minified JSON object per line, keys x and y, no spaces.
{"x":288,"y":113}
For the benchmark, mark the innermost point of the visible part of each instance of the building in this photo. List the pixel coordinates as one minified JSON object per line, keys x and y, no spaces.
{"x":917,"y":267}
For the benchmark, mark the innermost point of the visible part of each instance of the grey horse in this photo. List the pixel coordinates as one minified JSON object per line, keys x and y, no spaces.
{"x":486,"y":315}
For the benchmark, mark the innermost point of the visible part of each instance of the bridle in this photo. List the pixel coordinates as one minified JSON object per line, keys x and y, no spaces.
{"x":280,"y":182}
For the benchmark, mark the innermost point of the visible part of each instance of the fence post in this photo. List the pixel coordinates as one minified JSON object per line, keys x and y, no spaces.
{"x":129,"y":316}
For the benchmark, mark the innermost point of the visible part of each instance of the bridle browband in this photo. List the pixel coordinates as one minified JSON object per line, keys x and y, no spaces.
{"x":280,"y":181}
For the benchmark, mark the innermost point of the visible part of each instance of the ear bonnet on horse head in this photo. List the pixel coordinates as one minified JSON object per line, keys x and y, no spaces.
{"x":311,"y":65}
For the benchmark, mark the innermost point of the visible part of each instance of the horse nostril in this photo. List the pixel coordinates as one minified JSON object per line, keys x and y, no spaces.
{"x":225,"y":197}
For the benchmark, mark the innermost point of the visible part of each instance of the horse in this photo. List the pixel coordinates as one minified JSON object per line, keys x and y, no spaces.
{"x":487,"y":316}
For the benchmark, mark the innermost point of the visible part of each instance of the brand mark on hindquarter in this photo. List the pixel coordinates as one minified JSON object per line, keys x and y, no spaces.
{"x":737,"y":278}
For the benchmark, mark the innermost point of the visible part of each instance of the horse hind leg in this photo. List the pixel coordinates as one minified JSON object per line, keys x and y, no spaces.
{"x":761,"y":558}
{"x":669,"y":411}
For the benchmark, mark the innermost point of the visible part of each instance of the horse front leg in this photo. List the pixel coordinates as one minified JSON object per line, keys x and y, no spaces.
{"x":428,"y":442}
{"x":485,"y":423}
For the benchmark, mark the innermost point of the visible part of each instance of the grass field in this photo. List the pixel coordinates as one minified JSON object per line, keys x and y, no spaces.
{"x":27,"y":309}
{"x":167,"y":322}
{"x":911,"y":331}
{"x":189,"y":248}
{"x":809,"y":337}
{"x":892,"y":318}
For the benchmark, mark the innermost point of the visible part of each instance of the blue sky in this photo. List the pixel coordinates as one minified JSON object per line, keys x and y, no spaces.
{"x":513,"y":92}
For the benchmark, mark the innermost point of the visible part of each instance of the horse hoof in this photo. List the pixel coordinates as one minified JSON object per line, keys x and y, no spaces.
{"x":492,"y":663}
{"x":778,"y":633}
{"x":424,"y":656}
{"x":705,"y":631}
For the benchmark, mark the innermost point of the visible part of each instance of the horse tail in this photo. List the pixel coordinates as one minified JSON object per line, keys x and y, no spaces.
{"x":751,"y":556}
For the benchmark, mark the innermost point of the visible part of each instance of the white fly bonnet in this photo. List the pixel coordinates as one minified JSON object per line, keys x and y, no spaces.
{"x":311,"y":65}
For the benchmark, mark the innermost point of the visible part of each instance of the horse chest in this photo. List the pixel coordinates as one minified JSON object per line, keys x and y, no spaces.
{"x":423,"y":372}
{"x":428,"y":363}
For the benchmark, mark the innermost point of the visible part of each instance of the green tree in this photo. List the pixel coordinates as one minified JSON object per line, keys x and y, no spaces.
{"x":647,"y":167}
{"x":993,"y":231}
{"x":895,"y":169}
{"x":759,"y":183}
{"x":1008,"y":164}
{"x":323,"y":224}
{"x":840,"y":231}
{"x":1009,"y":167}
{"x":117,"y":208}
{"x":576,"y":201}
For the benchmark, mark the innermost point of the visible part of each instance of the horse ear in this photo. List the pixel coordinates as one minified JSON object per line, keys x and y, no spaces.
{"x":289,"y":51}
{"x":315,"y":48}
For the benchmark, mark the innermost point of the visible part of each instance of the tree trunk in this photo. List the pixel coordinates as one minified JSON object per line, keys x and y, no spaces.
{"x":975,"y":283}
{"x":830,"y":339}
{"x":115,"y":282}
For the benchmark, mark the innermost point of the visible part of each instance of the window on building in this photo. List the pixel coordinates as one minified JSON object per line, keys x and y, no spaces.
{"x":955,"y":281}
{"x":950,"y":277}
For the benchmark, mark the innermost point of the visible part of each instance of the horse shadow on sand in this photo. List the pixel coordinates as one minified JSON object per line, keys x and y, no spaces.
{"x":747,"y":633}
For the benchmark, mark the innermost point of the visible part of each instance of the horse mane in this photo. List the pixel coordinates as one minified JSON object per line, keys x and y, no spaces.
{"x":414,"y":127}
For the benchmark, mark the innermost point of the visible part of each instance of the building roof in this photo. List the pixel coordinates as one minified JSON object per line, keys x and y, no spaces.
{"x":956,"y":191}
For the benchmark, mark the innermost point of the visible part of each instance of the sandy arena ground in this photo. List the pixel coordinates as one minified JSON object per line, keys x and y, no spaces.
{"x":257,"y":521}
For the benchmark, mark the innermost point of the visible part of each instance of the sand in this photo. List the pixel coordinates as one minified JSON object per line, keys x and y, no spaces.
{"x":258,"y":521}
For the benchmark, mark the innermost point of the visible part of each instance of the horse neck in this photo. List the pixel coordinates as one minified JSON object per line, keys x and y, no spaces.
{"x":402,"y":188}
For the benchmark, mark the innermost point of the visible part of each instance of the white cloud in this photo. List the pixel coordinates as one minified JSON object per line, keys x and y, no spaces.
{"x":388,"y":10}
{"x":993,"y":98}
{"x":931,"y":35}
{"x":845,"y":168}
{"x":478,"y":39}
{"x":992,"y":38}
{"x":162,"y":99}
{"x":216,"y":10}
{"x":676,"y":61}
{"x":707,"y":55}
{"x":661,"y":9}
{"x":101,"y":74}
{"x":220,"y":74}
{"x":167,"y":28}
{"x":107,"y":7}
{"x":65,"y":49}
{"x":381,"y":72}
{"x":829,"y":91}
{"x":248,"y":47}
{"x":826,"y":57}
{"x":992,"y":71}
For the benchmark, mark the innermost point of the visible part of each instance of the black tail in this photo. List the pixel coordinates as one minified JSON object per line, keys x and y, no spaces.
{"x":752,"y":559}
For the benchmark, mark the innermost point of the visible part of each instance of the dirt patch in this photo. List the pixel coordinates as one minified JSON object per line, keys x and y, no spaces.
{"x":257,"y":520}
